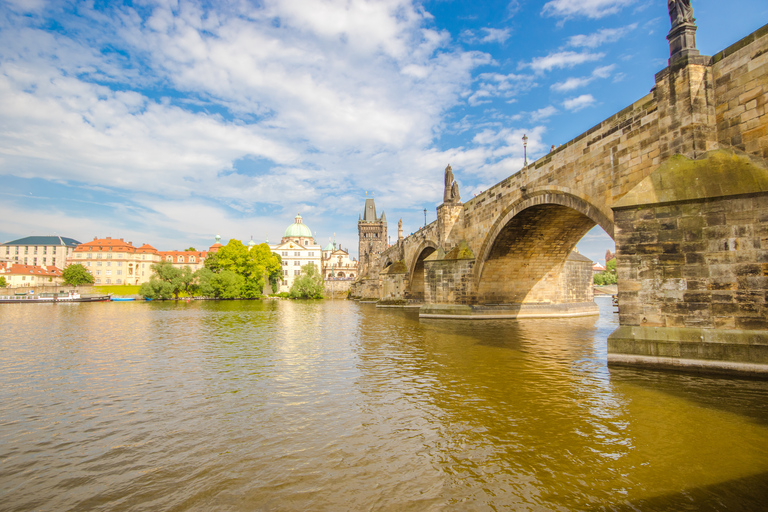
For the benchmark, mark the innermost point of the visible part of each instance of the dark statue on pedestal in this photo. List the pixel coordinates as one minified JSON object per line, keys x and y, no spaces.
{"x":451,"y":191}
{"x":682,"y":35}
{"x":680,"y":11}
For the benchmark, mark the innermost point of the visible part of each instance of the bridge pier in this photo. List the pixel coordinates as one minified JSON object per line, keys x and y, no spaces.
{"x":692,"y":252}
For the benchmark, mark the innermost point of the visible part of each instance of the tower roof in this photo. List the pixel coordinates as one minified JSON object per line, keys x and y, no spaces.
{"x":369,"y":215}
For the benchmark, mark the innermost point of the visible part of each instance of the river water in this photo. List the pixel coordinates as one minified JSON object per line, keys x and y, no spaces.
{"x":334,"y":405}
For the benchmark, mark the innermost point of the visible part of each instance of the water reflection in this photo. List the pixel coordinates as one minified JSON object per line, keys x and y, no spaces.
{"x":282,"y":405}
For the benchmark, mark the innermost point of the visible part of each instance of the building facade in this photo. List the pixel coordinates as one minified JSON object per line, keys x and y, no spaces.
{"x":40,"y":251}
{"x":296,"y":249}
{"x":114,"y":261}
{"x":194,"y":260}
{"x":337,"y":264}
{"x":30,"y":276}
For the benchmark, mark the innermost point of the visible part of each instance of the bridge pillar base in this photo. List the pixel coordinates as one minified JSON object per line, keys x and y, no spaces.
{"x":690,"y":349}
{"x":508,"y":311}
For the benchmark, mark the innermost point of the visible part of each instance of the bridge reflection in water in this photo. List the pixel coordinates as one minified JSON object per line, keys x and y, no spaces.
{"x":282,"y":405}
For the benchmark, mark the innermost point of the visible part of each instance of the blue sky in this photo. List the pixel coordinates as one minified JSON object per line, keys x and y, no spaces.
{"x":169,"y":121}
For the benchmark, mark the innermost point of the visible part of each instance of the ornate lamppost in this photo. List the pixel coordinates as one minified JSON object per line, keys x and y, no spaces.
{"x":425,"y":217}
{"x":525,"y":150}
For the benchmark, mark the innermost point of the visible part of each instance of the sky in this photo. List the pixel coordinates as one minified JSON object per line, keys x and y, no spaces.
{"x":170,"y":121}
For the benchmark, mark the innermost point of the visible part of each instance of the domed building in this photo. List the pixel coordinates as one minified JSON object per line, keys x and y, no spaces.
{"x":296,"y":249}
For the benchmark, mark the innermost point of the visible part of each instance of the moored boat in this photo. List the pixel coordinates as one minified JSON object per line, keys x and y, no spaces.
{"x":52,"y":298}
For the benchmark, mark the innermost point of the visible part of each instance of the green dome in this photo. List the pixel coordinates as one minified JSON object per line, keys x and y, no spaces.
{"x":298,"y":229}
{"x":330,"y":247}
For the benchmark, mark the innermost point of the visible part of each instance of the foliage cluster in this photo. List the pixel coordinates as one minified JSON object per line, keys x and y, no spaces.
{"x":309,"y":285}
{"x":76,"y":274}
{"x":3,"y":283}
{"x":608,"y":276}
{"x":232,"y":272}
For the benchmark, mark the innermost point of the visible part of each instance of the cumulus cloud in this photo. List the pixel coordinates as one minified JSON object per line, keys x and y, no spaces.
{"x":565,"y":59}
{"x":588,"y":8}
{"x":579,"y":102}
{"x":601,"y":37}
{"x":572,"y":83}
{"x":493,"y":85}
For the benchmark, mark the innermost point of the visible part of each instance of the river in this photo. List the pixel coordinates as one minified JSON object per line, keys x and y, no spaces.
{"x":335,"y":405}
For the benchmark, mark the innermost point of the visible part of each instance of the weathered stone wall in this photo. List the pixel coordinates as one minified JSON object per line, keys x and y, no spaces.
{"x":448,"y":281}
{"x":337,"y":289}
{"x":577,"y":280}
{"x":741,"y":93}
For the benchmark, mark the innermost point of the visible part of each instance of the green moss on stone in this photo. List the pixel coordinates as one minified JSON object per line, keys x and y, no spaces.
{"x":460,"y":252}
{"x":397,"y":267}
{"x":718,"y":173}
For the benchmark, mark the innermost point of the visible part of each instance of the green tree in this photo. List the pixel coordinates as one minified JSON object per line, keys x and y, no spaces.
{"x":3,"y":283}
{"x":191,"y":249}
{"x":253,"y":266}
{"x":309,"y":285}
{"x":608,"y":276}
{"x":76,"y":274}
{"x":166,"y":281}
{"x":222,"y":285}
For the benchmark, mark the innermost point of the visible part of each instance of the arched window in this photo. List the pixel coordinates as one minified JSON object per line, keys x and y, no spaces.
{"x":180,"y":259}
{"x":169,"y":258}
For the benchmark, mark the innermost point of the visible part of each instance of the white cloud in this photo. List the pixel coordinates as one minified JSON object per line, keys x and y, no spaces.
{"x":588,"y":8}
{"x":579,"y":103}
{"x":606,"y":35}
{"x":543,"y":113}
{"x":492,"y":85}
{"x":566,"y":59}
{"x":574,"y":82}
{"x":494,"y":35}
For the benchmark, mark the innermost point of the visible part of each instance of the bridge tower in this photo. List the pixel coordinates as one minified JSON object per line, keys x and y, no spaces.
{"x":371,"y":231}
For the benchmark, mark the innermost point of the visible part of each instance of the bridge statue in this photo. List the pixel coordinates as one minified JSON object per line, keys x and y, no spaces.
{"x":451,"y":192}
{"x":680,"y":12}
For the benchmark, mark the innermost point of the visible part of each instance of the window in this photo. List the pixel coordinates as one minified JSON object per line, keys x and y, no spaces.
{"x":180,"y":259}
{"x":119,"y":281}
{"x":90,"y":255}
{"x":109,"y":255}
{"x":118,"y":272}
{"x":34,"y":260}
{"x":98,"y":255}
{"x":119,"y":263}
{"x":306,"y":242}
{"x":35,"y":249}
{"x":285,"y":253}
{"x":98,"y":281}
{"x":295,"y":263}
{"x":87,"y":263}
{"x":45,"y":250}
{"x":108,"y":272}
{"x":109,"y":281}
{"x":297,"y":272}
{"x":310,"y":253}
{"x":109,"y":263}
{"x":98,"y":272}
{"x":285,"y":272}
{"x":98,"y":263}
{"x":297,"y":253}
{"x":169,"y":258}
{"x":191,"y":259}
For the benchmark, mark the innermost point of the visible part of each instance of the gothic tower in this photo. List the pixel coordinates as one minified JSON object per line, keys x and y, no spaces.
{"x":371,"y":230}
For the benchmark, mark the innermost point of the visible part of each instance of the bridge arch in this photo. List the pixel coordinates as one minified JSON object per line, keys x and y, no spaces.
{"x":416,"y":268}
{"x":524,"y":253}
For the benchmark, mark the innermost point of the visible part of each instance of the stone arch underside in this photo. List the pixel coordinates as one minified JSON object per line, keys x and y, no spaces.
{"x":416,"y":288}
{"x":525,"y":254}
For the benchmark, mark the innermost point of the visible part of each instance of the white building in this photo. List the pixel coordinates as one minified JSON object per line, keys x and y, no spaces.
{"x":337,"y":264}
{"x":296,"y":249}
{"x":40,"y":251}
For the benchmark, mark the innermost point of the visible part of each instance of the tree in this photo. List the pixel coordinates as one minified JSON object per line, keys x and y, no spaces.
{"x":76,"y":275}
{"x":309,"y":285}
{"x":608,"y":276}
{"x":191,"y":249}
{"x":251,"y":265}
{"x":223,"y":285}
{"x":3,"y":283}
{"x":168,"y":280}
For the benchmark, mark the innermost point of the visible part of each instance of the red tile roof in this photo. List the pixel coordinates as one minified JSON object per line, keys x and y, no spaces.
{"x":33,"y":270}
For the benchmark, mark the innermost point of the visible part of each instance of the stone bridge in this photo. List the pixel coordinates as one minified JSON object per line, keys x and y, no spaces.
{"x":678,"y":179}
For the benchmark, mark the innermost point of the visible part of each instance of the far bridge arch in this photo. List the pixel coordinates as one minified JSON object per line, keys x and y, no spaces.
{"x":522,"y":257}
{"x":416,"y":269}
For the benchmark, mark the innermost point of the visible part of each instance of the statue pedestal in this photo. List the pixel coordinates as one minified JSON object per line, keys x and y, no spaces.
{"x":682,"y":41}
